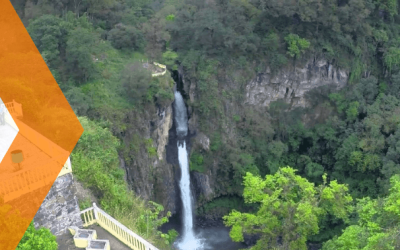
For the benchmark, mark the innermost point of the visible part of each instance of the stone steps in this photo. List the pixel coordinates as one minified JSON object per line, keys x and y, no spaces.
{"x":85,"y":238}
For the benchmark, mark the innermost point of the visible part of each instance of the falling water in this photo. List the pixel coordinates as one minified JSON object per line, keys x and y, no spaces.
{"x":188,"y":241}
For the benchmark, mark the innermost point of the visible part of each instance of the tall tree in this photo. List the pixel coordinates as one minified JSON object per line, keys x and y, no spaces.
{"x":378,"y":224}
{"x":290,"y":208}
{"x":79,"y":52}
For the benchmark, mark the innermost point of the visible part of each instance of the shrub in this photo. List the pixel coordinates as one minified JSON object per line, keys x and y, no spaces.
{"x":169,"y":58}
{"x":123,"y":36}
{"x":216,"y":142}
{"x":296,"y":45}
{"x":136,"y":81}
{"x":40,"y":239}
{"x":392,"y":57}
{"x":196,"y":162}
{"x":96,"y":163}
{"x":236,"y":118}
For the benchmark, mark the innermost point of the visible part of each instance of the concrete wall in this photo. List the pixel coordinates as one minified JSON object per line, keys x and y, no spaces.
{"x":60,"y":208}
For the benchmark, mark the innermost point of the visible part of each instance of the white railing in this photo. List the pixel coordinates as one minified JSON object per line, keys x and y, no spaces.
{"x":161,"y":66}
{"x":43,"y":143}
{"x":25,"y":181}
{"x":96,"y":215}
{"x":14,"y":108}
{"x":11,"y":110}
{"x":37,"y":174}
{"x":88,"y":216}
{"x":40,"y":141}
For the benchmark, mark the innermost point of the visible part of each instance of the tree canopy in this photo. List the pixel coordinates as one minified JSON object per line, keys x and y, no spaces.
{"x":40,"y":239}
{"x":290,"y":208}
{"x":378,"y":224}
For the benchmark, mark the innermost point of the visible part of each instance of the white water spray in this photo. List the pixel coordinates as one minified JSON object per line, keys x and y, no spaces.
{"x":188,"y":241}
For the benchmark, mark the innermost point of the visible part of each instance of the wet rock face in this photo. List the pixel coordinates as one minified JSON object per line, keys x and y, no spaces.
{"x":202,"y":186}
{"x":203,"y":141}
{"x":163,"y":127}
{"x":291,"y":84}
{"x":152,"y":176}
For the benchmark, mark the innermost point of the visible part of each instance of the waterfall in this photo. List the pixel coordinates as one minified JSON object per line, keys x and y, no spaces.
{"x":188,"y":241}
{"x":180,"y":116}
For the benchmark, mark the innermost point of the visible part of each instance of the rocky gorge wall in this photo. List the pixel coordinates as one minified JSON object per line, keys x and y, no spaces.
{"x":150,"y":176}
{"x":156,"y":177}
{"x":289,"y":84}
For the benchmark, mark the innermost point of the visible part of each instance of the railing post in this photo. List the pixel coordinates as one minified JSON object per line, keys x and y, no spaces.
{"x":95,"y":211}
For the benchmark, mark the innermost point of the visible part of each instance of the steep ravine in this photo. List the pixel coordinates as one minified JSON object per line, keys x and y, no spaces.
{"x":150,"y":175}
{"x":156,"y":177}
{"x":289,"y":84}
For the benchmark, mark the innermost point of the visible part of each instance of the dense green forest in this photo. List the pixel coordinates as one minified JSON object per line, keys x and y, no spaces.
{"x":92,"y":49}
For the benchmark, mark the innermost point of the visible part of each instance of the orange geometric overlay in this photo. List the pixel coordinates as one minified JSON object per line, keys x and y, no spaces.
{"x":45,"y":125}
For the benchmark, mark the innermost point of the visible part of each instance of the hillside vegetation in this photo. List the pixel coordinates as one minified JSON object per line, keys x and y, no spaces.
{"x":92,"y":48}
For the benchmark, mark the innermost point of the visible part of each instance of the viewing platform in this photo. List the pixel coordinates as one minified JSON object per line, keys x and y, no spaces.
{"x":38,"y":163}
{"x":157,"y":69}
{"x":100,"y":227}
{"x":36,"y":169}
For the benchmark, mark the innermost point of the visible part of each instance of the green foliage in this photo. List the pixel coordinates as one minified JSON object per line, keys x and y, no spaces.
{"x":352,"y":135}
{"x":382,"y":87}
{"x":216,"y":142}
{"x":393,"y":200}
{"x":49,"y":33}
{"x":236,"y":118}
{"x":275,"y":150}
{"x":95,"y":163}
{"x":296,"y":45}
{"x":135,"y":81}
{"x":151,"y":150}
{"x":170,"y":17}
{"x":84,"y":204}
{"x":224,"y":29}
{"x":271,"y":42}
{"x":126,"y":37}
{"x":352,"y":111}
{"x":392,"y":58}
{"x":156,"y":36}
{"x":160,"y":91}
{"x":169,"y":58}
{"x":356,"y":70}
{"x":314,"y":170}
{"x":170,"y":237}
{"x":339,"y":100}
{"x":388,"y":5}
{"x":41,"y":239}
{"x":196,"y":162}
{"x":79,"y":51}
{"x":377,"y":226}
{"x":290,"y":207}
{"x":221,"y":206}
{"x":242,"y":164}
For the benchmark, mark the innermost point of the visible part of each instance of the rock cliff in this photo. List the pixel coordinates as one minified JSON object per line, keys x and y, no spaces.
{"x":291,"y":84}
{"x":156,"y":177}
{"x":151,"y":176}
